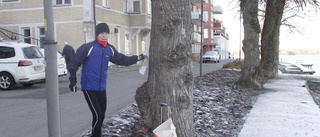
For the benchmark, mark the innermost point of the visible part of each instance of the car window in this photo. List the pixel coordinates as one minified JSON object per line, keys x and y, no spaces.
{"x":32,"y":52}
{"x":6,"y":52}
{"x":211,"y":53}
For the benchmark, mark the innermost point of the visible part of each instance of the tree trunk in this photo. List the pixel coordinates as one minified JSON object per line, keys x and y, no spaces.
{"x":249,"y":71}
{"x":170,"y":78}
{"x":270,"y":38}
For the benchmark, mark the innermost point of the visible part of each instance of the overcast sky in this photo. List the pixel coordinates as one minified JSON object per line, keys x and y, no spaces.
{"x":311,"y":29}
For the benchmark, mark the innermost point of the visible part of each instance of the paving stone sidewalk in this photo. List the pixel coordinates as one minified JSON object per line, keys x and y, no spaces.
{"x":286,"y":110}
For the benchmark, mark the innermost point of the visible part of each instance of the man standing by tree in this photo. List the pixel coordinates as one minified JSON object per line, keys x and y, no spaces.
{"x":68,"y":53}
{"x":94,"y":58}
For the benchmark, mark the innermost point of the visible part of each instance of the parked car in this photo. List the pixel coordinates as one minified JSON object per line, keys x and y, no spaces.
{"x":21,"y":63}
{"x":61,"y":62}
{"x":212,"y":56}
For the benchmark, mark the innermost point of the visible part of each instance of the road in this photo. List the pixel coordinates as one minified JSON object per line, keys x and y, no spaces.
{"x":23,"y":111}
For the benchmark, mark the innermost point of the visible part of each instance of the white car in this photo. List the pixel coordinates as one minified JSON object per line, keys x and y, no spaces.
{"x":212,"y":56}
{"x":21,"y":63}
{"x":62,"y":66}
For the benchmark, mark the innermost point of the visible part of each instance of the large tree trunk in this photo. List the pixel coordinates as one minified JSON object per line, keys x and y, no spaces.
{"x":270,"y":38}
{"x":250,"y":69}
{"x":170,"y":77}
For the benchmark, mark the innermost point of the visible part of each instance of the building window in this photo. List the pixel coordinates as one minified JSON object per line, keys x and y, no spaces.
{"x":143,"y":45}
{"x":127,"y":44}
{"x":205,"y":33}
{"x":149,"y":6}
{"x":63,"y":2}
{"x":126,"y":6}
{"x":106,"y":3}
{"x":41,"y":37}
{"x":136,"y":6}
{"x":132,"y":6}
{"x":26,"y":35}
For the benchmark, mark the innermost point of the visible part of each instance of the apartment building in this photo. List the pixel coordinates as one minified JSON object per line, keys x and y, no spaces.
{"x":129,"y":22}
{"x":214,"y":36}
{"x":221,"y":39}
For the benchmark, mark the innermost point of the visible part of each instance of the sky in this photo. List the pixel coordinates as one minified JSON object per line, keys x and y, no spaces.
{"x":309,"y":39}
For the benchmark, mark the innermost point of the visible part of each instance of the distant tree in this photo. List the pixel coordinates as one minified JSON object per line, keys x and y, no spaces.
{"x":271,"y":32}
{"x":253,"y":75}
{"x":170,"y":77}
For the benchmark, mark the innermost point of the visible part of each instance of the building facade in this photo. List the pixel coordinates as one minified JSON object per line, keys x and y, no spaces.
{"x":129,"y":22}
{"x":214,"y":36}
{"x":221,"y":38}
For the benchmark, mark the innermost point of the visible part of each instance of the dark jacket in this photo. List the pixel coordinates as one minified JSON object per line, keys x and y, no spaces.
{"x":94,"y":59}
{"x":68,"y":53}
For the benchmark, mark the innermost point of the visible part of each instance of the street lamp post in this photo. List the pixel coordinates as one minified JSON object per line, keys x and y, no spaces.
{"x":240,"y":40}
{"x":201,"y":38}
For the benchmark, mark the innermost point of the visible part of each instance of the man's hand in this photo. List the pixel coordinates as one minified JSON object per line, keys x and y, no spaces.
{"x":73,"y":84}
{"x":141,"y":57}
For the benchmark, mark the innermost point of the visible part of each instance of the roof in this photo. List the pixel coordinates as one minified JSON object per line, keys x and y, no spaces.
{"x":15,"y":44}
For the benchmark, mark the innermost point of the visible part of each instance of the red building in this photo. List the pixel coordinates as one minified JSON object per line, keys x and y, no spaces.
{"x":211,"y":39}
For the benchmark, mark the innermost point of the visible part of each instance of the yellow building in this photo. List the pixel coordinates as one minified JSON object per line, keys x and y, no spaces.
{"x":129,"y":22}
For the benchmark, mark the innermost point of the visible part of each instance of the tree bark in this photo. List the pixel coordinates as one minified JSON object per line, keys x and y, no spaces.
{"x":250,"y":69}
{"x":270,"y":38}
{"x":170,"y":78}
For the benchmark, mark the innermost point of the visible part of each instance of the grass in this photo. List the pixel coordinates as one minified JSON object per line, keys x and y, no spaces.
{"x":234,"y":64}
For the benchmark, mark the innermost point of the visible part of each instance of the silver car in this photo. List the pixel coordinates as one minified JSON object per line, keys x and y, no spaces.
{"x":211,"y":56}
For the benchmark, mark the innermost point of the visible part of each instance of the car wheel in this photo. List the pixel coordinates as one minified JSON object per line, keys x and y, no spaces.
{"x":28,"y":85}
{"x":6,"y":81}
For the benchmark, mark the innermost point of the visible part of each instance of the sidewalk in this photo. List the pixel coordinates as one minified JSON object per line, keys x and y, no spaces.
{"x":286,"y":110}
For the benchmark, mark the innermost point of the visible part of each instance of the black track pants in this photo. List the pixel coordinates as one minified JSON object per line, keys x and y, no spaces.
{"x":97,"y":102}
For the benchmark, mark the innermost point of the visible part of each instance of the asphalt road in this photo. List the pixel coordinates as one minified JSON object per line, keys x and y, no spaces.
{"x":23,"y":111}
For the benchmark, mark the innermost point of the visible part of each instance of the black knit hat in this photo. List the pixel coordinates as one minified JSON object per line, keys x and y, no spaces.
{"x":102,"y":27}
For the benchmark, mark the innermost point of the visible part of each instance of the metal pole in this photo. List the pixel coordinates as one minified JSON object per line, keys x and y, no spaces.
{"x":52,"y":92}
{"x":201,"y":38}
{"x":94,"y":14}
{"x":240,"y":40}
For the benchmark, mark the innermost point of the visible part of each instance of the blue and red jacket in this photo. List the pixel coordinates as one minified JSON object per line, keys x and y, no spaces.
{"x":94,"y":59}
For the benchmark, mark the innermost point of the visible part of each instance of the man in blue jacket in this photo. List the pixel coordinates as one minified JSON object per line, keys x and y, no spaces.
{"x":94,"y":58}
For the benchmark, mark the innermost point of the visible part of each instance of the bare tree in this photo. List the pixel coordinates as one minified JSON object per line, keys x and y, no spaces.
{"x":170,"y":77}
{"x":250,"y":69}
{"x":270,"y":38}
{"x":253,"y":76}
{"x":271,"y":32}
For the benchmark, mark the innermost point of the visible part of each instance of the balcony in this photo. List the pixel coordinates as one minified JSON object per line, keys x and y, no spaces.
{"x":218,"y":25}
{"x":141,"y":21}
{"x":196,"y":17}
{"x":216,"y":40}
{"x":219,"y":32}
{"x":217,"y":10}
{"x":196,"y":37}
